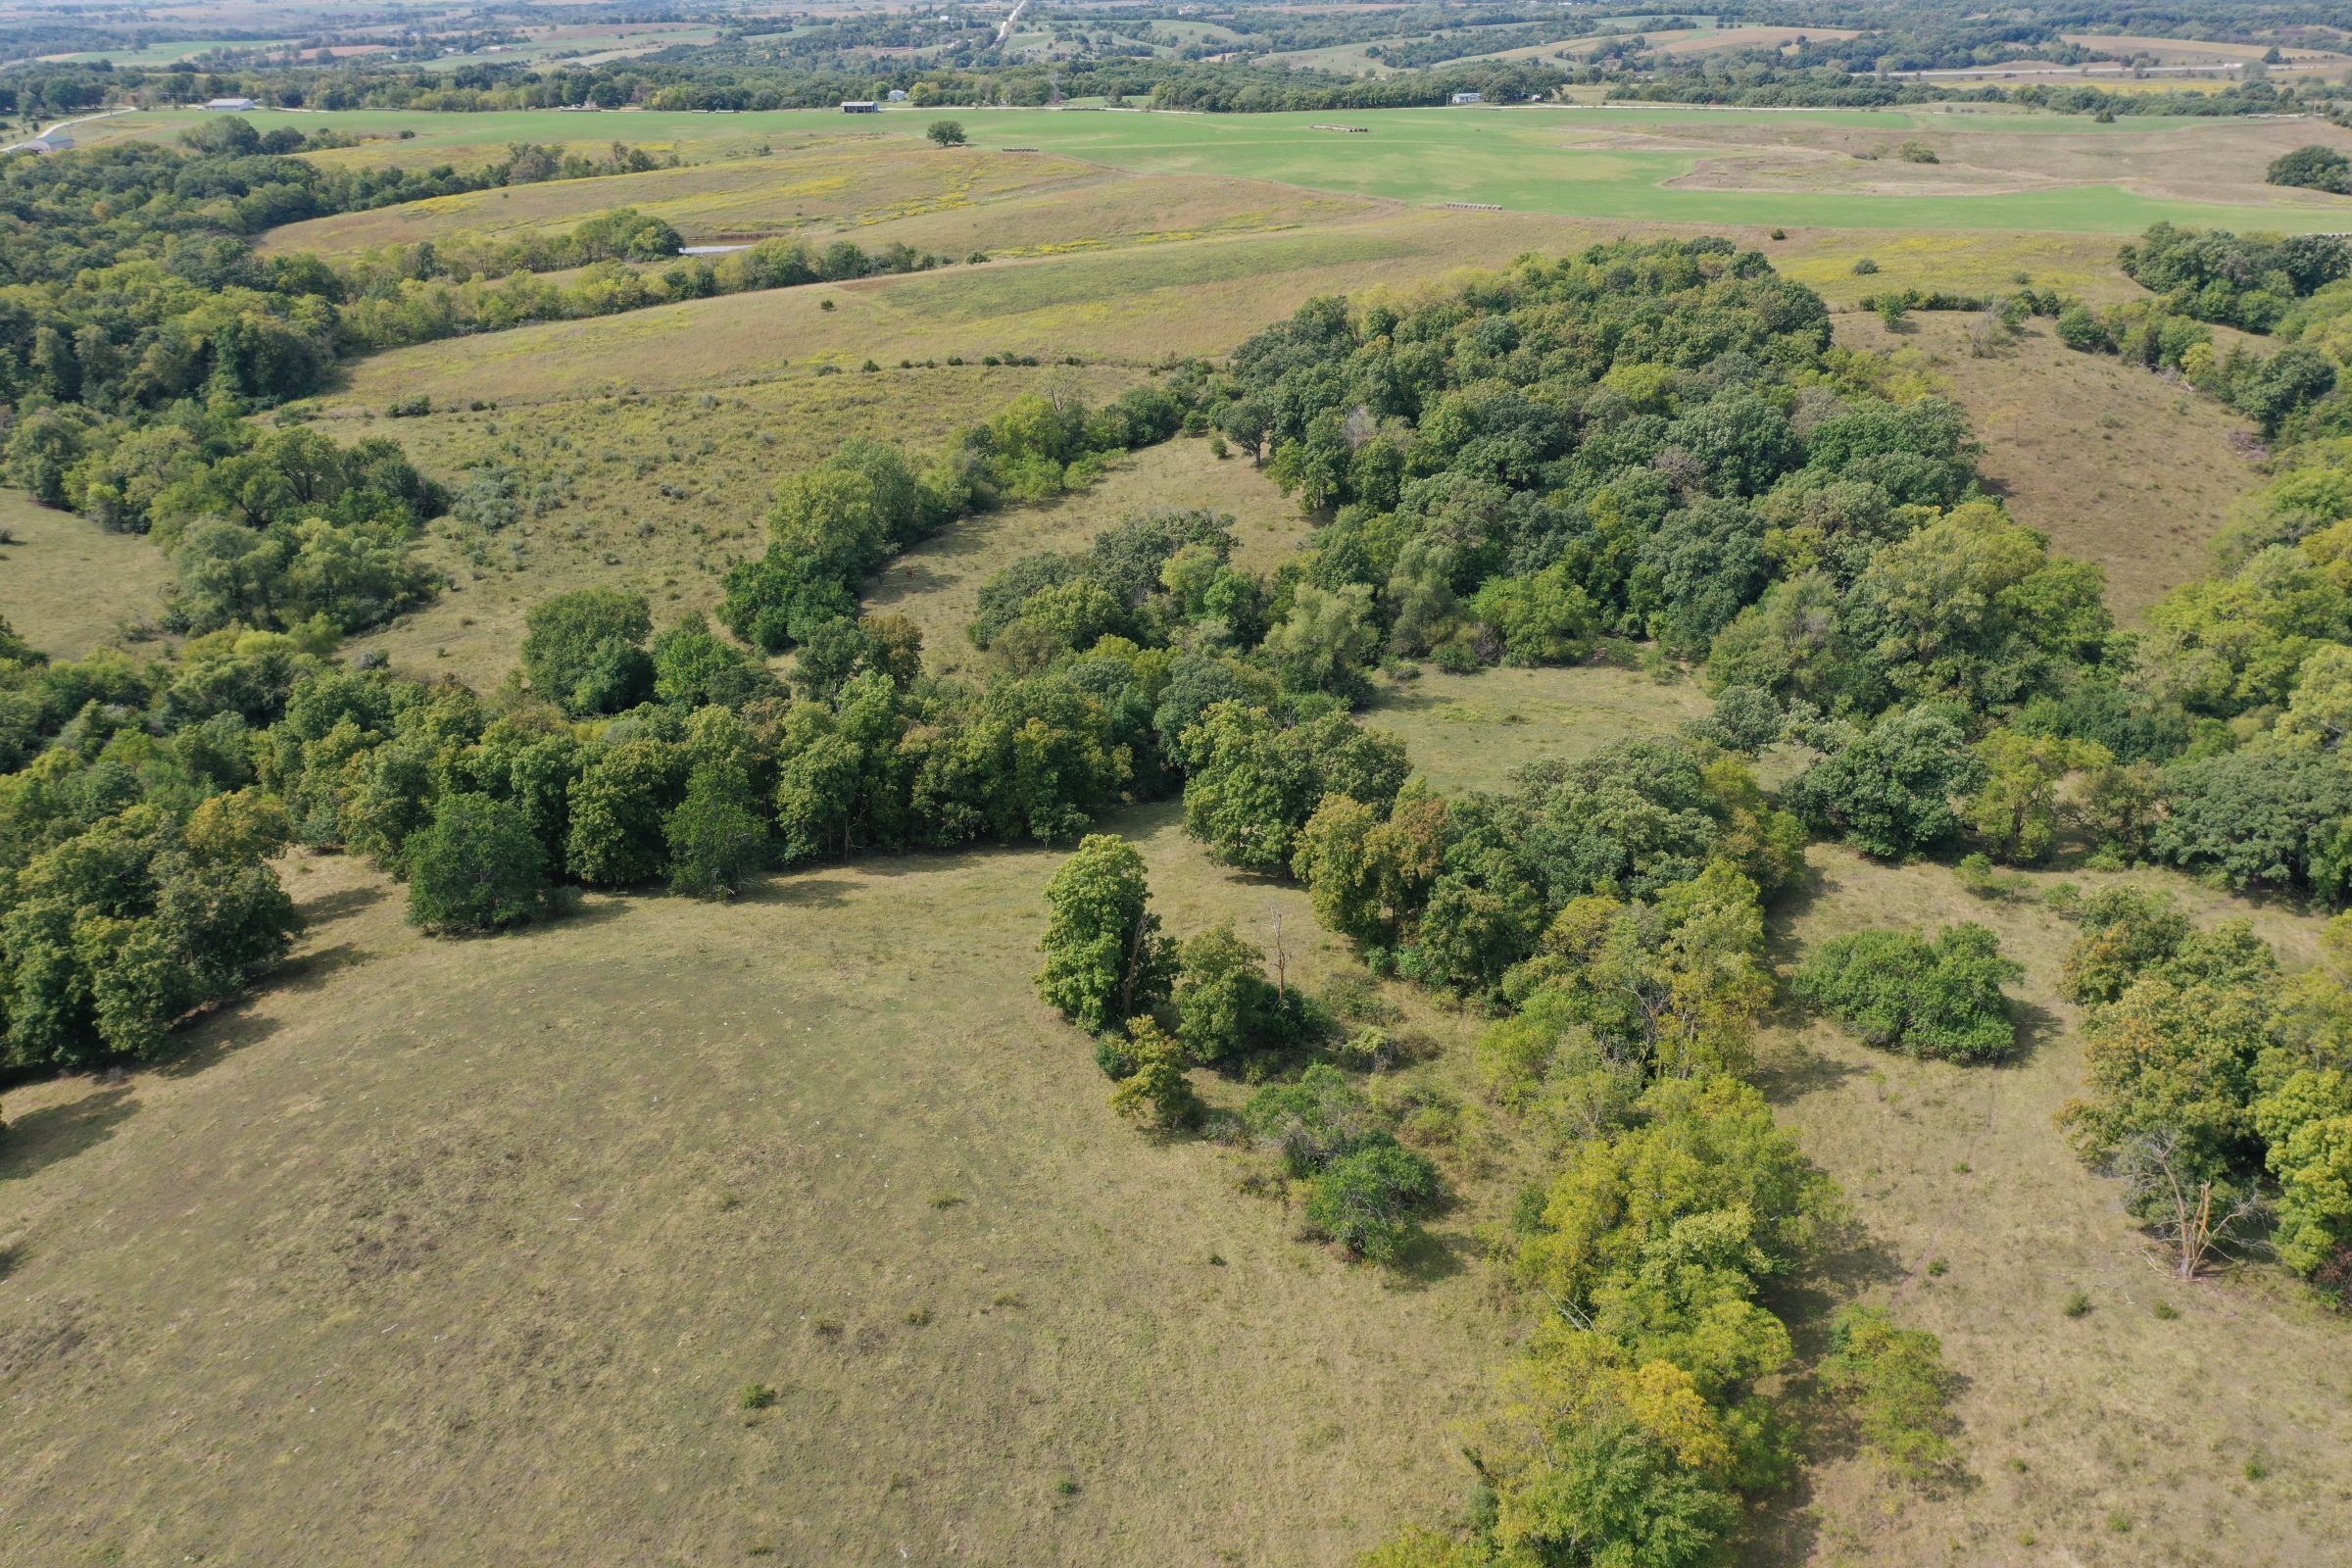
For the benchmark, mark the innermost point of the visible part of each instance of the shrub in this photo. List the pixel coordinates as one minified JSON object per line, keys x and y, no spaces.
{"x":1365,"y":1200}
{"x":1897,"y":1388}
{"x":1865,"y":267}
{"x":1938,"y":1001}
{"x":1155,"y":1091}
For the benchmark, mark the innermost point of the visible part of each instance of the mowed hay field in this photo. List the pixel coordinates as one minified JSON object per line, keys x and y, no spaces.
{"x":463,"y":1254}
{"x":2112,"y":1440}
{"x":67,"y":585}
{"x":2117,"y":466}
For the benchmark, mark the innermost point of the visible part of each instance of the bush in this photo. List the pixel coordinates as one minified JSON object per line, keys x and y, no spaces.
{"x":2079,"y":329}
{"x":1365,"y":1200}
{"x":1224,"y":1004}
{"x":476,"y":868}
{"x":1865,"y":267}
{"x":1897,"y":1387}
{"x":1938,"y":1001}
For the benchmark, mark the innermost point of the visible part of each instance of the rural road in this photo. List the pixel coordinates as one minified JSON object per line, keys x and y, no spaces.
{"x":64,"y":125}
{"x":1005,"y":31}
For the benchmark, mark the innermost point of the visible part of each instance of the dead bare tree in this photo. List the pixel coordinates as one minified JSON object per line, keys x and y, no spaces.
{"x":2193,"y":1219}
{"x":1281,"y":963}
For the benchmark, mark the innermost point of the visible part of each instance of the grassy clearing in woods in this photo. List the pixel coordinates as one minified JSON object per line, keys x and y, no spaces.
{"x":2222,"y":1435}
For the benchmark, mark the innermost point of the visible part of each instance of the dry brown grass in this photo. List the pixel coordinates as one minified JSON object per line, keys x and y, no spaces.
{"x":2116,"y":465}
{"x":68,"y":586}
{"x":462,"y":1252}
{"x":2117,"y":1437}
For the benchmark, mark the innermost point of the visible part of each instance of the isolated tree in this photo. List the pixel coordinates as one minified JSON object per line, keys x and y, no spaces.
{"x":477,"y":866}
{"x":946,"y":132}
{"x":1106,"y":960}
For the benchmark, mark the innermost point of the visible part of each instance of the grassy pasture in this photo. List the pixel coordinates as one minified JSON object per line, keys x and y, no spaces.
{"x":2109,"y":1441}
{"x":809,"y":184}
{"x":1723,"y":40}
{"x":1527,"y":159}
{"x":937,"y":585}
{"x":2117,"y":465}
{"x":1471,"y":732}
{"x":68,"y":586}
{"x":659,"y":492}
{"x":461,"y":1253}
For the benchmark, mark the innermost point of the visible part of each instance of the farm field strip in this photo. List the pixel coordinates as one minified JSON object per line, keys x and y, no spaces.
{"x":1525,"y":159}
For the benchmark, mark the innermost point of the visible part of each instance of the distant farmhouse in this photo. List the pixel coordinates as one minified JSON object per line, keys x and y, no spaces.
{"x":55,"y":141}
{"x":233,"y":105}
{"x":1469,"y":98}
{"x":859,"y":106}
{"x":898,"y":95}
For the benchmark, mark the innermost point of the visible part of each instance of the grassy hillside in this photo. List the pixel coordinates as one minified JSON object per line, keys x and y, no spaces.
{"x":2116,"y":465}
{"x":655,"y":490}
{"x":464,"y":1253}
{"x":67,"y":585}
{"x":2119,"y":1438}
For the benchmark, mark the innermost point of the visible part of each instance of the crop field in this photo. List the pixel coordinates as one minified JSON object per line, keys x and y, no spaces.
{"x":1720,"y":40}
{"x":463,"y":1253}
{"x":68,"y":586}
{"x":2112,"y":1439}
{"x":818,"y":183}
{"x":2113,"y":180}
{"x":164,"y":54}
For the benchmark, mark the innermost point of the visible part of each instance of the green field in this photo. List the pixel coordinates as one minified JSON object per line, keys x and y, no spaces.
{"x":1526,"y":160}
{"x":164,"y":54}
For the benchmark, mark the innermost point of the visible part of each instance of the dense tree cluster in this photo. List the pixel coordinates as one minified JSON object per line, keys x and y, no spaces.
{"x":1937,"y":1000}
{"x":273,"y":530}
{"x":832,"y":526}
{"x":2215,"y":1081}
{"x":135,"y":832}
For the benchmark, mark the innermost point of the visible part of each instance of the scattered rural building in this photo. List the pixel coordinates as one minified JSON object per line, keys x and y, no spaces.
{"x":898,"y":95}
{"x":232,"y":105}
{"x":859,"y":106}
{"x":1469,"y":98}
{"x":56,"y":142}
